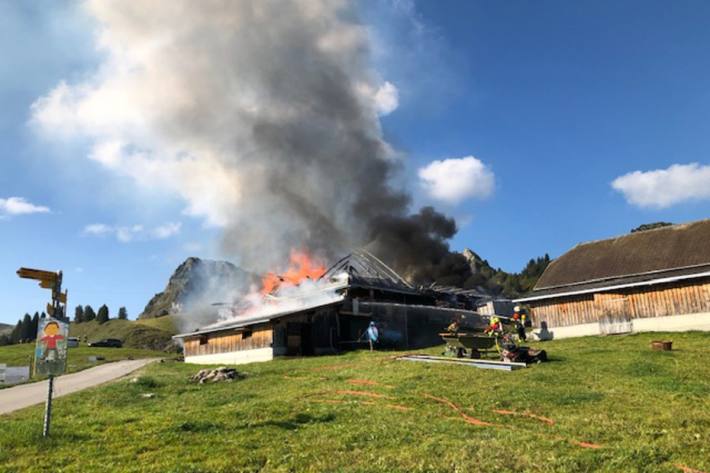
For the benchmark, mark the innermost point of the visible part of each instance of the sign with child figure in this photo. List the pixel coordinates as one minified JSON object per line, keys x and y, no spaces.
{"x":51,"y":348}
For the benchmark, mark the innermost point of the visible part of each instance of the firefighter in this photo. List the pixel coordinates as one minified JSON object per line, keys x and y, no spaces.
{"x":520,"y":319}
{"x":455,"y":325}
{"x":372,"y":334}
{"x":495,"y":326}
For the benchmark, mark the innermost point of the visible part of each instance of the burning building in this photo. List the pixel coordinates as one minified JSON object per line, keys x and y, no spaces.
{"x":329,"y":314}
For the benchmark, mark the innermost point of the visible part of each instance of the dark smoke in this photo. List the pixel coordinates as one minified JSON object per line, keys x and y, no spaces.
{"x":416,"y":245}
{"x":328,"y":168}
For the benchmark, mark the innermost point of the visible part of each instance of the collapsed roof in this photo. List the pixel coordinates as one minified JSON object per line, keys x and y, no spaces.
{"x":365,"y":270}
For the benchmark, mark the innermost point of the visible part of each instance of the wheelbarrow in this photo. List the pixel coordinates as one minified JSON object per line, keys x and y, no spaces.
{"x":469,"y":344}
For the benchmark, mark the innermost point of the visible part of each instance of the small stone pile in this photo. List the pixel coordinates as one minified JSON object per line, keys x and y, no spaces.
{"x":213,"y":376}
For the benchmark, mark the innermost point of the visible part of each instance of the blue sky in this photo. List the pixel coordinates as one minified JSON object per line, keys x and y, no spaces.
{"x":555,"y":100}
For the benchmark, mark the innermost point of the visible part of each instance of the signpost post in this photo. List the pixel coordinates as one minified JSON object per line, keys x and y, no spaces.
{"x":52,"y":334}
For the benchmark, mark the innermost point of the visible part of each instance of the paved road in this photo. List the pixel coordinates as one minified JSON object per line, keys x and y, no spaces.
{"x":24,"y":395}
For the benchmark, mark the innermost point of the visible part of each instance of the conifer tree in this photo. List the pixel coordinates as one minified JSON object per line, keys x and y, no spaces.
{"x":89,"y":313}
{"x":79,"y":314}
{"x":102,"y":315}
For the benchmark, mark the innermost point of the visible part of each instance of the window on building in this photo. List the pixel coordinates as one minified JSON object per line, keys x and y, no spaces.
{"x":246,"y":334}
{"x":204,"y":340}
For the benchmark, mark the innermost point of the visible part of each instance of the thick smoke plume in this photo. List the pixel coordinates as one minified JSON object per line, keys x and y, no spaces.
{"x":262,"y":116}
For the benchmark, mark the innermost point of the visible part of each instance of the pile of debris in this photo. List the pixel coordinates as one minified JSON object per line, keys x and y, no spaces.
{"x":213,"y":376}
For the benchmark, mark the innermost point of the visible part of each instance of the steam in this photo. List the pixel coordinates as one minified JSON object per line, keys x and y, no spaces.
{"x":262,"y":116}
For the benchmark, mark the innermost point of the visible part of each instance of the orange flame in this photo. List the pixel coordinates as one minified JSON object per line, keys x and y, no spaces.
{"x":302,"y":267}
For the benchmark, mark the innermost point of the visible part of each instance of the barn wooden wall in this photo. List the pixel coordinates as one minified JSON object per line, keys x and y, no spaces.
{"x":658,"y":301}
{"x":224,"y":342}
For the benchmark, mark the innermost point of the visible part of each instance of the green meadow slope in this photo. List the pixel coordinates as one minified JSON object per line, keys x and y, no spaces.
{"x":5,"y":328}
{"x":600,"y":405}
{"x":151,"y":334}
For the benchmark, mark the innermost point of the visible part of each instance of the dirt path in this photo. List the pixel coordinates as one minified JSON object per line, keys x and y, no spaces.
{"x":25,"y":395}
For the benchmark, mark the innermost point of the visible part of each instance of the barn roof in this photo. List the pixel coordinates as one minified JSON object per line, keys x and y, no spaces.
{"x":667,"y":252}
{"x":265,"y":315}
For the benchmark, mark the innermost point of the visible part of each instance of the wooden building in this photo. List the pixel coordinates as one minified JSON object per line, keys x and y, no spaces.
{"x":356,"y":290}
{"x":655,"y":280}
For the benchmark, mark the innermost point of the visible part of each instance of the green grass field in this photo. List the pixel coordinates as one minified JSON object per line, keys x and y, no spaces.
{"x":77,"y":358}
{"x":601,"y":404}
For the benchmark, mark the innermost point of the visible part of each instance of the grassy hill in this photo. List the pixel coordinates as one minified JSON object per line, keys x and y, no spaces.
{"x":155,"y":335}
{"x":5,"y":328}
{"x":602,"y":404}
{"x":166,"y":323}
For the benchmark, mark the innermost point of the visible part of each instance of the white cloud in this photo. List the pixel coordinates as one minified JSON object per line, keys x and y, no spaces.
{"x":20,"y":206}
{"x":130,"y":233}
{"x":383,"y":99}
{"x":386,"y":99}
{"x":126,"y":234}
{"x":662,"y":188}
{"x":166,"y":231}
{"x":456,"y":179}
{"x":97,"y":229}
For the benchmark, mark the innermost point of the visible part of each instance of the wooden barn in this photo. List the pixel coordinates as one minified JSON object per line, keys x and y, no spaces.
{"x":655,"y":280}
{"x":358,"y":289}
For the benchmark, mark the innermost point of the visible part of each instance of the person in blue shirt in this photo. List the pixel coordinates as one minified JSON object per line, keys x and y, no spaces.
{"x":372,"y":334}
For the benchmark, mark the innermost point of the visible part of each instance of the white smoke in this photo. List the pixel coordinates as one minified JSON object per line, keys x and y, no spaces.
{"x":286,"y":299}
{"x":262,"y":116}
{"x":245,"y":110}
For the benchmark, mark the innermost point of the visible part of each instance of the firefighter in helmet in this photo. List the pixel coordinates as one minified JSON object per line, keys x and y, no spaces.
{"x":495,"y":327}
{"x":520,"y":319}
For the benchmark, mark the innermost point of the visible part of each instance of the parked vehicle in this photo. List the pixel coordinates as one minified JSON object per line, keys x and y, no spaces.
{"x":107,"y":342}
{"x":72,"y":342}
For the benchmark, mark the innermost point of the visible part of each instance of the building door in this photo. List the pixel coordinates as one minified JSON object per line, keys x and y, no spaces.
{"x":299,"y":338}
{"x":293,"y":338}
{"x":307,"y":339}
{"x":613,"y":313}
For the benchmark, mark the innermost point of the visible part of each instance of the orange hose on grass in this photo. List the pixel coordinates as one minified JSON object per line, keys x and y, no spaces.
{"x":349,"y":392}
{"x":546,"y":420}
{"x":585,"y":444}
{"x":687,"y":469}
{"x":466,"y":417}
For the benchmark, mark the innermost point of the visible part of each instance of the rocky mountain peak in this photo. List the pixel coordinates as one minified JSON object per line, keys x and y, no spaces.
{"x":196,"y":279}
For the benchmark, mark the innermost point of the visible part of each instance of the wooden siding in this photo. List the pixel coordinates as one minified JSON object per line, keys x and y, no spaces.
{"x":224,"y":342}
{"x":656,"y":301}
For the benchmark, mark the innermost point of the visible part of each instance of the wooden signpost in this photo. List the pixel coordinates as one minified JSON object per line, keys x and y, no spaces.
{"x":52,"y":334}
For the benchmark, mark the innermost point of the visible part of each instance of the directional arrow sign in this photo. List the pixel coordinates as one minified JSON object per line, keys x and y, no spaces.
{"x":47,"y":284}
{"x":28,"y":273}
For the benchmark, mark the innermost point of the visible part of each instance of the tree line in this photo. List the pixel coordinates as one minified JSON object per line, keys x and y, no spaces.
{"x":87,"y":314}
{"x":500,"y":282}
{"x":26,"y":328}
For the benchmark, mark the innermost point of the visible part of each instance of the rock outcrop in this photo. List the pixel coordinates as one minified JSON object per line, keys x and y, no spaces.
{"x":196,"y":280}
